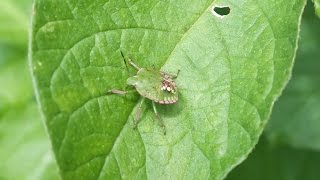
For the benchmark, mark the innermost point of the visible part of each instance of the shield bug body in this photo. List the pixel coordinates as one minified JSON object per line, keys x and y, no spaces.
{"x":157,"y":86}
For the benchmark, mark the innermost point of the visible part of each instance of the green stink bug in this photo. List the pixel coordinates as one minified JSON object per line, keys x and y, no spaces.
{"x":157,"y":86}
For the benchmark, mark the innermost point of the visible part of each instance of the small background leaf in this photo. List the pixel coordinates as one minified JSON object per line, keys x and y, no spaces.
{"x":232,"y":71}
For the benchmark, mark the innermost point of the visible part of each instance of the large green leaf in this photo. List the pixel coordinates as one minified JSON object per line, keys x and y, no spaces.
{"x":278,"y":163}
{"x":296,"y":117}
{"x":232,"y":70}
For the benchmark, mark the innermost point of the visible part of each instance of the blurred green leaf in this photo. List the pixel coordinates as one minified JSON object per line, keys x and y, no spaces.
{"x":14,"y":74}
{"x":267,"y":162}
{"x":317,"y":6}
{"x":17,"y":88}
{"x":25,"y":152}
{"x":232,"y":71}
{"x":296,"y":117}
{"x":14,"y":21}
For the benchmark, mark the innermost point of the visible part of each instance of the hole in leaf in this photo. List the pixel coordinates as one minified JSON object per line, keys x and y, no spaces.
{"x":220,"y":11}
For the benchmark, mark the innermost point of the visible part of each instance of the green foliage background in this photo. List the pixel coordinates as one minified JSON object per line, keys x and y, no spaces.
{"x":289,"y":148}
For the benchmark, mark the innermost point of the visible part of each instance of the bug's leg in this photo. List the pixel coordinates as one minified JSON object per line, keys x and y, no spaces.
{"x":130,"y":62}
{"x":116,"y":91}
{"x":159,"y":118}
{"x":138,"y":114}
{"x":134,"y":65}
{"x":176,"y":75}
{"x":119,"y":92}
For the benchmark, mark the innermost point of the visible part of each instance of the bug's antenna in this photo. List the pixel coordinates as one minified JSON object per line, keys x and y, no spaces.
{"x":124,"y":60}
